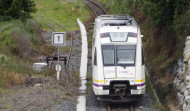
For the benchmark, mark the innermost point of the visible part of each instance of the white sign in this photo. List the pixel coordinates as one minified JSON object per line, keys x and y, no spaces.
{"x":58,"y":39}
{"x":58,"y":68}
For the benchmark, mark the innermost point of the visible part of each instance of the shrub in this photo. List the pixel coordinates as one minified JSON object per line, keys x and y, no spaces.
{"x":17,"y":9}
{"x":10,"y":78}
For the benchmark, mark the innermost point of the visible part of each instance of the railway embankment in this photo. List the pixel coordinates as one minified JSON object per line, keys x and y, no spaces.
{"x":182,"y":79}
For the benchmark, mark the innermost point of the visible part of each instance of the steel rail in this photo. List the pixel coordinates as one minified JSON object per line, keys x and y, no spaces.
{"x":131,"y":108}
{"x":91,"y":4}
{"x":55,"y":48}
{"x":99,"y":6}
{"x":92,"y":9}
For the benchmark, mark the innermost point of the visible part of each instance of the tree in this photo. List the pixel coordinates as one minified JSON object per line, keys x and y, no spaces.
{"x":17,"y":9}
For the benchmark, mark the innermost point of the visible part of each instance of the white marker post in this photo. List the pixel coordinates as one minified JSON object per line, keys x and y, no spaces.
{"x":58,"y":39}
{"x":58,"y":69}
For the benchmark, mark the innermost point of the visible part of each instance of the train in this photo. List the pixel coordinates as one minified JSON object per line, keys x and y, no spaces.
{"x":118,"y":69}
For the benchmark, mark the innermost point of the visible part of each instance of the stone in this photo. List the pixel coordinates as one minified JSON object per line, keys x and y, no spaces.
{"x":187,"y":55}
{"x":188,"y":85}
{"x":188,"y":38}
{"x":182,"y":87}
{"x":176,"y":83}
{"x":186,"y":93}
{"x":188,"y":78}
{"x":184,"y":107}
{"x":38,"y":85}
{"x":187,"y":99}
{"x":187,"y":44}
{"x":174,"y":72}
{"x":188,"y":107}
{"x":180,"y":97}
{"x":180,"y":63}
{"x":180,"y":75}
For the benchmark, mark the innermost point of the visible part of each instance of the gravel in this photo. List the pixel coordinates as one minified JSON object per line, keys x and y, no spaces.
{"x":64,"y":106}
{"x":146,"y":103}
{"x":92,"y":104}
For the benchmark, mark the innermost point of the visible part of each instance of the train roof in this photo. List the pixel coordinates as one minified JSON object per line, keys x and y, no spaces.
{"x":115,"y":20}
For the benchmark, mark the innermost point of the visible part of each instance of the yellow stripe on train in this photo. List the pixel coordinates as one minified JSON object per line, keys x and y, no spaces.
{"x":98,"y":80}
{"x":140,"y":80}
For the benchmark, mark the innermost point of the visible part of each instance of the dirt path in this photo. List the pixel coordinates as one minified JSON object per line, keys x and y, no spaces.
{"x":40,"y":97}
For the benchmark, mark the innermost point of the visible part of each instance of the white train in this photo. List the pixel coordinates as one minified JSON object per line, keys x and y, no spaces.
{"x":117,"y":59}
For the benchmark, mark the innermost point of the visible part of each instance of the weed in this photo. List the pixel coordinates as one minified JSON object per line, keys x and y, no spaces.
{"x":66,"y":49}
{"x":148,"y":86}
{"x":80,"y":38}
{"x":10,"y":78}
{"x":77,"y":73}
{"x":89,"y":56}
{"x":5,"y":91}
{"x":161,"y":107}
{"x":89,"y":76}
{"x":9,"y":106}
{"x":89,"y":42}
{"x":168,"y":63}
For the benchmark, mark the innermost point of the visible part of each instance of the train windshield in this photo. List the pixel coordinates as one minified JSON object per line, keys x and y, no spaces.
{"x":126,"y":55}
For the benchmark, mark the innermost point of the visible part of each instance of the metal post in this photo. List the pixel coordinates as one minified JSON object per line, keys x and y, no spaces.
{"x":58,"y":56}
{"x":58,"y":66}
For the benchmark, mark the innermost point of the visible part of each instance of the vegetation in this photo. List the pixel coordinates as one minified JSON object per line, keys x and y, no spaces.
{"x":165,"y":24}
{"x":16,"y":9}
{"x":63,"y":12}
{"x":21,"y":39}
{"x":173,"y":15}
{"x":18,"y":41}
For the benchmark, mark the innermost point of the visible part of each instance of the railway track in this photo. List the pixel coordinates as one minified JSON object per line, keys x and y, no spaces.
{"x":96,"y":7}
{"x":51,"y":24}
{"x":99,"y":10}
{"x":129,"y":107}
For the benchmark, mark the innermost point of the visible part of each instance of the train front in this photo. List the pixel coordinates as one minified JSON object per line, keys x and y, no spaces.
{"x":119,"y":73}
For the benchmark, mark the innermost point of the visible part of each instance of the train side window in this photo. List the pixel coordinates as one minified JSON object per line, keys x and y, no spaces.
{"x":94,"y":31}
{"x":142,"y":57}
{"x":95,"y":60}
{"x":93,"y":41}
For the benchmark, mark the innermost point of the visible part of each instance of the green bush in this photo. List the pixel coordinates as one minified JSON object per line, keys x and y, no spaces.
{"x":19,"y":38}
{"x":182,"y":25}
{"x":17,"y":9}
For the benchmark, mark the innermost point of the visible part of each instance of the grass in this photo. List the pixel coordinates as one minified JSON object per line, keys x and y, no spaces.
{"x":161,"y":107}
{"x":66,"y":49}
{"x":61,"y":11}
{"x":14,"y":33}
{"x":77,"y":73}
{"x":17,"y":65}
{"x":9,"y":106}
{"x":10,"y":78}
{"x":149,"y":88}
{"x":5,"y":91}
{"x":89,"y":81}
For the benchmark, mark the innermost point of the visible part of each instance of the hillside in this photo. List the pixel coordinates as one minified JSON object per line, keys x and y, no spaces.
{"x":24,"y":43}
{"x":165,"y":25}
